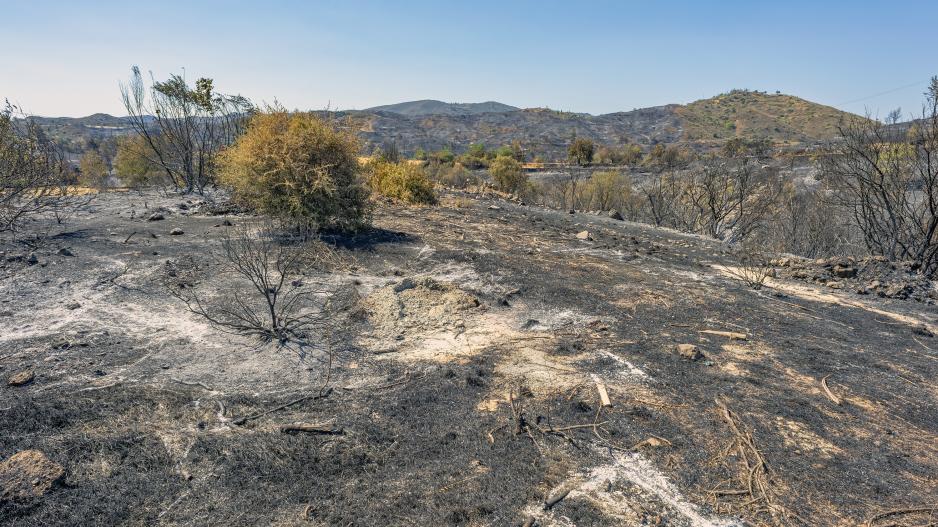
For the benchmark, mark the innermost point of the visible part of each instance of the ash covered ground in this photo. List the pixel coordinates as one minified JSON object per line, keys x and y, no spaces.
{"x":475,"y":340}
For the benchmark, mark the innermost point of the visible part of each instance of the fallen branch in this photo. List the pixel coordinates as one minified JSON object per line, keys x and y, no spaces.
{"x":732,"y":335}
{"x":312,"y":428}
{"x":550,"y":501}
{"x":601,"y":388}
{"x":754,"y":475}
{"x":830,"y":395}
{"x":897,"y":512}
{"x":243,"y":420}
{"x":187,"y":383}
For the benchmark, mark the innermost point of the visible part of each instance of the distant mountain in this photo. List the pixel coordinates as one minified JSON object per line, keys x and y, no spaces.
{"x":432,"y":125}
{"x":543,"y":132}
{"x":431,"y":107}
{"x":704,"y":124}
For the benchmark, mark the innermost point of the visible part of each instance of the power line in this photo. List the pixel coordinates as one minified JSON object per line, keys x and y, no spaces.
{"x":882,"y":93}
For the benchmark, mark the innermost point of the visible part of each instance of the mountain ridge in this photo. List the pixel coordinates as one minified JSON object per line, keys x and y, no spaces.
{"x":435,"y":107}
{"x":786,"y":120}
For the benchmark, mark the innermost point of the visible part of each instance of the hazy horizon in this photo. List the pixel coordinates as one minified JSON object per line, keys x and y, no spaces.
{"x":597,"y":58}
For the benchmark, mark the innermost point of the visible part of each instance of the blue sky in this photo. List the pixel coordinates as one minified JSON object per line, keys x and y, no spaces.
{"x":67,"y":57}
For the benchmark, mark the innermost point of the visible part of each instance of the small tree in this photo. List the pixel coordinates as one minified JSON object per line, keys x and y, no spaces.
{"x":581,"y":151}
{"x":184,"y":127}
{"x":887,"y":178}
{"x":508,"y":175}
{"x":33,"y":172}
{"x":298,"y":168}
{"x":93,"y":170}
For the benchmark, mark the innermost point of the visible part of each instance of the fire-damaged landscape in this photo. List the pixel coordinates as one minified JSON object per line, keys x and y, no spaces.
{"x":450,"y":264}
{"x":479,"y":362}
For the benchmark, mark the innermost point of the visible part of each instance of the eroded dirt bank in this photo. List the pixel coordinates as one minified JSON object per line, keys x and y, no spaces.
{"x":474,"y":336}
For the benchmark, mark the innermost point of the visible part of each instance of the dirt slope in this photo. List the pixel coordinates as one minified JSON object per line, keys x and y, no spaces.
{"x":466,"y":383}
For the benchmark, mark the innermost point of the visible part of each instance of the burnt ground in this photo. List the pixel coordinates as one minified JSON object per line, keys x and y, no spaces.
{"x":472,"y":338}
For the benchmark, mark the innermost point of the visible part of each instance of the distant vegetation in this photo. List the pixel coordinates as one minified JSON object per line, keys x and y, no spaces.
{"x":407,"y":182}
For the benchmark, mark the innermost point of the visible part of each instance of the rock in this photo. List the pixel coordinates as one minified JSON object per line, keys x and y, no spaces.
{"x":72,"y":306}
{"x":64,"y":252}
{"x":27,"y":474}
{"x":494,"y":207}
{"x":32,"y":260}
{"x":182,"y":206}
{"x":841,"y":271}
{"x":176,"y":232}
{"x":923,"y":331}
{"x":21,"y":378}
{"x":689,"y":352}
{"x":899,"y":290}
{"x":156,"y":216}
{"x":571,"y":211}
{"x":227,"y":223}
{"x":6,"y":314}
{"x":404,"y":285}
{"x":614,"y":214}
{"x":584,"y":235}
{"x":833,"y":284}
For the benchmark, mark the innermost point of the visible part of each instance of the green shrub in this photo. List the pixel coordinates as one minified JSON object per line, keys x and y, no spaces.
{"x":507,"y":174}
{"x":133,"y":166}
{"x":298,"y":168}
{"x":405,"y":181}
{"x":93,"y":170}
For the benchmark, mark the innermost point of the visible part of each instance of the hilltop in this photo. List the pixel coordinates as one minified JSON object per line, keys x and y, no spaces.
{"x":751,"y":114}
{"x":432,"y":107}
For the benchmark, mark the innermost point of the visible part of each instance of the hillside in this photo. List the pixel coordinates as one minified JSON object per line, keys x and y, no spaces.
{"x":433,"y":125}
{"x":782,"y":118}
{"x":544,"y":132}
{"x":431,"y":107}
{"x":490,"y":368}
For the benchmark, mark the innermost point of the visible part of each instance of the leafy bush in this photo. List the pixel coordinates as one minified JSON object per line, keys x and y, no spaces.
{"x":455,"y":176}
{"x":476,"y":157}
{"x":93,"y":170}
{"x":404,"y":181}
{"x":132,"y":165}
{"x":443,"y":157}
{"x":507,"y":173}
{"x":298,"y":168}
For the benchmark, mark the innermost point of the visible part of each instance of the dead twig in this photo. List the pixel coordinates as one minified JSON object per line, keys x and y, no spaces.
{"x":242,"y":420}
{"x":187,"y":383}
{"x":755,"y":474}
{"x":899,"y":512}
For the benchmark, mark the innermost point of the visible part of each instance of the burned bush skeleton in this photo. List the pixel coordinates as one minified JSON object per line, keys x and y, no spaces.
{"x":276,"y":304}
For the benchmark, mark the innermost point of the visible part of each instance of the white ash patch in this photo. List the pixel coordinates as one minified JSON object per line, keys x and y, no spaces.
{"x":598,"y":486}
{"x":628,"y":369}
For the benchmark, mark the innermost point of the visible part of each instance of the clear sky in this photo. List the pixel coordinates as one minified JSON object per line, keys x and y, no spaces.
{"x":66,"y":57}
